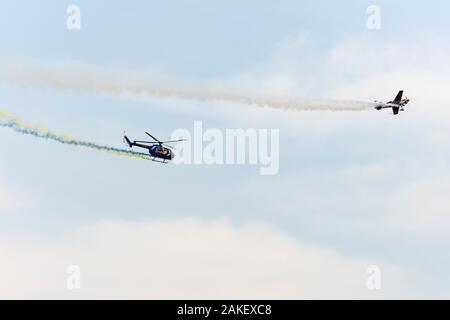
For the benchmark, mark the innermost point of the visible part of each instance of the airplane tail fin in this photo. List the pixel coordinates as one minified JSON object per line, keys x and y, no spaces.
{"x":398,"y":98}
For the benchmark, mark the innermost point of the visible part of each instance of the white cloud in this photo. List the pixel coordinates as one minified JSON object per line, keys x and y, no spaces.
{"x":416,"y":207}
{"x":421,"y":207}
{"x":185,"y":259}
{"x":361,"y":57}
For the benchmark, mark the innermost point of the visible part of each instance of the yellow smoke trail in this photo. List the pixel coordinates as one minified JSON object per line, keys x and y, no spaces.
{"x":18,"y":125}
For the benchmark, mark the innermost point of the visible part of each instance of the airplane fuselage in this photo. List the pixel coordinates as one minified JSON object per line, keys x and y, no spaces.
{"x":384,"y":105}
{"x":396,"y":105}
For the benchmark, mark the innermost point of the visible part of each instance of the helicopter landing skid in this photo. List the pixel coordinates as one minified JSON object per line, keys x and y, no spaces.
{"x":163,"y":161}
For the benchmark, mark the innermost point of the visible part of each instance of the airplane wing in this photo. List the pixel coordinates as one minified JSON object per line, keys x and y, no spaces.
{"x":398,"y":98}
{"x":395,"y":110}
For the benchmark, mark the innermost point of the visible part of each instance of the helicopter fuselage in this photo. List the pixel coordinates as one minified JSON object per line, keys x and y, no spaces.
{"x":158,"y":151}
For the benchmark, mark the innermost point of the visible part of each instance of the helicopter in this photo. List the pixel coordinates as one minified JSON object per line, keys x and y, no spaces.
{"x":159,"y":150}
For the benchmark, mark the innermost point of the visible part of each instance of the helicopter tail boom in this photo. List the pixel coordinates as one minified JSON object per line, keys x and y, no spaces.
{"x":130,"y":144}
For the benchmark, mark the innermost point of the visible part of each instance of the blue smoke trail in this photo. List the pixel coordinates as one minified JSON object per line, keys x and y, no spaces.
{"x":20,"y":127}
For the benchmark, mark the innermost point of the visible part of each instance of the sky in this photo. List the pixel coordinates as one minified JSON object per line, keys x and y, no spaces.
{"x":354,"y":188}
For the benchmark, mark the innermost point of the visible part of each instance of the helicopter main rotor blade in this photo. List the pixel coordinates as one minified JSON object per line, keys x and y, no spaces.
{"x":142,"y":141}
{"x":170,"y":141}
{"x":152,"y":137}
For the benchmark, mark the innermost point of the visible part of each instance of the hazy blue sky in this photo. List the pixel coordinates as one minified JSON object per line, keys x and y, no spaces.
{"x":363,"y":186}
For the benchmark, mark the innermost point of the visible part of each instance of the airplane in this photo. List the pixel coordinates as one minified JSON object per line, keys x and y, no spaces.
{"x":156,"y":148}
{"x":397,"y":104}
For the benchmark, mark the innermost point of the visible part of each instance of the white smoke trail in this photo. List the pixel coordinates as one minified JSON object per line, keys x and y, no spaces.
{"x":82,"y":77}
{"x":20,"y":126}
